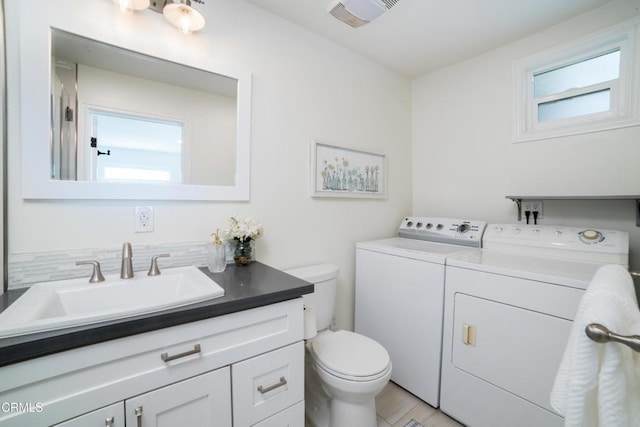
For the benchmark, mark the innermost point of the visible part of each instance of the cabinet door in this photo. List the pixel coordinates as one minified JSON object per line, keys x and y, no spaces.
{"x":202,"y":401}
{"x":110,"y":416}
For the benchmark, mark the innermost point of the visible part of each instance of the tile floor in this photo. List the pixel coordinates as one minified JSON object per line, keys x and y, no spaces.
{"x":396,"y":408}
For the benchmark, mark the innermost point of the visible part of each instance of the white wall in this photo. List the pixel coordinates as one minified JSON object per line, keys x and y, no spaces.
{"x":304,"y":88}
{"x":464,"y":163}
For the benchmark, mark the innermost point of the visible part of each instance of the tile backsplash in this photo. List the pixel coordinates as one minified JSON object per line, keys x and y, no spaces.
{"x":29,"y":268}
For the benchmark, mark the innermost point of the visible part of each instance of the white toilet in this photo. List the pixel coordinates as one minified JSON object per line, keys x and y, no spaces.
{"x":344,"y":371}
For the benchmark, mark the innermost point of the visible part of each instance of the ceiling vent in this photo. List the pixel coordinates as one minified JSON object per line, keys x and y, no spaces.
{"x":356,"y":13}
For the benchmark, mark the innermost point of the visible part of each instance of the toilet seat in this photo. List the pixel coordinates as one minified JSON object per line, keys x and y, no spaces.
{"x":350,"y":356}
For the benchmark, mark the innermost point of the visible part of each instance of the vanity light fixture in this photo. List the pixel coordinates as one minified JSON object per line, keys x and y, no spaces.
{"x":132,"y":5}
{"x":183,"y":16}
{"x":178,"y":12}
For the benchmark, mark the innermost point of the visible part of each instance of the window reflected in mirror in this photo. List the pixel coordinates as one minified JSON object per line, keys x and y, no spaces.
{"x":124,"y":116}
{"x":125,"y":147}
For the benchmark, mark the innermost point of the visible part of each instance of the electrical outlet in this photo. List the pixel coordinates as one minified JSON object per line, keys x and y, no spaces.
{"x":532,"y":206}
{"x":144,"y":219}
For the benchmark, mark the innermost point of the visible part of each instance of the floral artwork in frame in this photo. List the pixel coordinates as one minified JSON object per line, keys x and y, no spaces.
{"x":344,"y":172}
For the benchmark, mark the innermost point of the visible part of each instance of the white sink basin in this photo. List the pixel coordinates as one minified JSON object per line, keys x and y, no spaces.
{"x":53,"y":305}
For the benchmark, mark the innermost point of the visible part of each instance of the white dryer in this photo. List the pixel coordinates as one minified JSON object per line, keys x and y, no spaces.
{"x":400,"y":295}
{"x":508,"y":312}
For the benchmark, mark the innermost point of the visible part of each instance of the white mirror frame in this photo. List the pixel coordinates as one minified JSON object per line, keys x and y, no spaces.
{"x":35,"y":82}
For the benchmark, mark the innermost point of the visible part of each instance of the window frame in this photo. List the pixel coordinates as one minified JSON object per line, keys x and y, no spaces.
{"x":624,"y":94}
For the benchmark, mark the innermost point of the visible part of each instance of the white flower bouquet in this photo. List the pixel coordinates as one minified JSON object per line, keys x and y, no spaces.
{"x":242,"y":229}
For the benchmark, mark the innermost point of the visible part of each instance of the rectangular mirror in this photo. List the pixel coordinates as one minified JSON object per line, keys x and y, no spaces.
{"x":122,"y":124}
{"x":119,"y":116}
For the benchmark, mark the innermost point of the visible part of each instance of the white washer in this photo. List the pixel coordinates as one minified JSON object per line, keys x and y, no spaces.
{"x":508,"y":314}
{"x":400,"y":296}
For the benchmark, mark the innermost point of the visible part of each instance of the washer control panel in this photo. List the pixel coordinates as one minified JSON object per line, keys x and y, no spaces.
{"x":443,"y":230}
{"x":589,"y":244}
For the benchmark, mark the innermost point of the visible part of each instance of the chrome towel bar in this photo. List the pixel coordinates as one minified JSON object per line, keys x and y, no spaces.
{"x":601,"y":334}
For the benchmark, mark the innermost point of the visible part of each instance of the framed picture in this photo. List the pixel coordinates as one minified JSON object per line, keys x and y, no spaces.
{"x":343,"y":172}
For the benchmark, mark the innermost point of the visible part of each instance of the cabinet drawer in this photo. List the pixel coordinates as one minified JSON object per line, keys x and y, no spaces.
{"x":267,"y":384}
{"x":290,"y":417}
{"x":111,"y":416}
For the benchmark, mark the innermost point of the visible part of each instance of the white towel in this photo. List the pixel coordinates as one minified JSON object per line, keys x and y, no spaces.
{"x":599,"y":384}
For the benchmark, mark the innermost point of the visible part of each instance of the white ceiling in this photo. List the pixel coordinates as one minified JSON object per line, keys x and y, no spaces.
{"x":415,"y":37}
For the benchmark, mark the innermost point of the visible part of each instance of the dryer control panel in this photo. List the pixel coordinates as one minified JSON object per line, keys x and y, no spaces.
{"x":443,"y":230}
{"x":585,"y":243}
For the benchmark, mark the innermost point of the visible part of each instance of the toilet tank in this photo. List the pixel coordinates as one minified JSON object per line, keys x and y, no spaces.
{"x":323,"y":299}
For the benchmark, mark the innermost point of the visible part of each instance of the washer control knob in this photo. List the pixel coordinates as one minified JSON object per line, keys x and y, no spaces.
{"x":419,"y":225}
{"x":439,"y":227}
{"x":463,"y":228}
{"x":516,"y":230}
{"x":558,"y":233}
{"x":409,"y":223}
{"x":536,"y":231}
{"x":590,"y":236}
{"x":429,"y":225}
{"x":499,"y":229}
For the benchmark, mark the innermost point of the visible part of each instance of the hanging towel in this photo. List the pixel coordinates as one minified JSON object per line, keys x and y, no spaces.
{"x":599,"y":384}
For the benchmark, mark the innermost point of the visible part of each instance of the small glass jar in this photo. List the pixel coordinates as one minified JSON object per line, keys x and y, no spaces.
{"x":216,"y":258}
{"x":243,"y":251}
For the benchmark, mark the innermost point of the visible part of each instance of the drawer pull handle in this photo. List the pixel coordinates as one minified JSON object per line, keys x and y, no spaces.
{"x":281,"y":383}
{"x":166,"y":358}
{"x":139,"y":416}
{"x":108,"y":422}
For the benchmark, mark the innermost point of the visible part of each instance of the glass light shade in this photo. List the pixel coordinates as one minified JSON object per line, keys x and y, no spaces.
{"x":186,"y":18}
{"x":129,"y":5}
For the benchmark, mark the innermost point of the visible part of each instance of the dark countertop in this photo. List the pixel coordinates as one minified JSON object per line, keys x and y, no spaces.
{"x":246,"y":287}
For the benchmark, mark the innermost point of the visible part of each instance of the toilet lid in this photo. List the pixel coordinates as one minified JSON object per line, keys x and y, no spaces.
{"x":350,"y":354}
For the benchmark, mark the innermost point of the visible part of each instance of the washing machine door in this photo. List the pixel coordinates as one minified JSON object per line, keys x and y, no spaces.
{"x":510,"y":347}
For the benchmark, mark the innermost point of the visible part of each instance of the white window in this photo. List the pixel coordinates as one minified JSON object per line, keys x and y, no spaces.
{"x":586,"y":86}
{"x":129,"y":147}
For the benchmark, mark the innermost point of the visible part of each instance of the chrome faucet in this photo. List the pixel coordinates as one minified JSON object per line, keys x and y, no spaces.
{"x":126,"y":271}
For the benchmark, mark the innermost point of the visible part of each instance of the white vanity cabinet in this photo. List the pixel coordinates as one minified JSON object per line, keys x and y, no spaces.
{"x":290,"y":417}
{"x":110,"y":416}
{"x":183,"y":375}
{"x":202,"y":401}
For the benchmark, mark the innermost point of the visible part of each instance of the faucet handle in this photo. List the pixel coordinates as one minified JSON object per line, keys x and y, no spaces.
{"x":96,"y":275}
{"x":126,"y":250}
{"x":154,"y":270}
